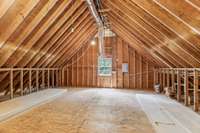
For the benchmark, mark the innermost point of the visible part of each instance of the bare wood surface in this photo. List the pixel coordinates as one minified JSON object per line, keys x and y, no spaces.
{"x":84,"y":111}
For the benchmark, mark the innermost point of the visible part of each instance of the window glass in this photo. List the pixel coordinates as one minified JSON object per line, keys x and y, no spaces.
{"x":104,"y":66}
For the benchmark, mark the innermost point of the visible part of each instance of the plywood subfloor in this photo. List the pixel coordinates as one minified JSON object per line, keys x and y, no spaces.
{"x":84,"y":111}
{"x":20,"y":104}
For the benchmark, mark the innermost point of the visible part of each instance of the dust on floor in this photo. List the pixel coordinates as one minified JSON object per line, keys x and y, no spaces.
{"x":84,"y":111}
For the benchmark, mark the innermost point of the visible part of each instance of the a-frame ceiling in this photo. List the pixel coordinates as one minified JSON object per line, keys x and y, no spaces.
{"x":38,"y":33}
{"x":46,"y":33}
{"x":168,"y":30}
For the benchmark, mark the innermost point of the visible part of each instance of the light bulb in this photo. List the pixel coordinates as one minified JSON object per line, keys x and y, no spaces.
{"x":72,"y":29}
{"x":93,"y":42}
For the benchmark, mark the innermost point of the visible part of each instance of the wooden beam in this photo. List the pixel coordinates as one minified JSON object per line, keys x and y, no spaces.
{"x":168,"y":78}
{"x":61,"y":38}
{"x":63,"y":76}
{"x":160,"y":79}
{"x":147,"y":75}
{"x":186,"y":92}
{"x":48,"y":78}
{"x":134,"y":69}
{"x":22,"y":82}
{"x":103,"y":10}
{"x":43,"y":79}
{"x":141,"y":72}
{"x":37,"y":80}
{"x":57,"y":78}
{"x":179,"y":89}
{"x":196,"y":91}
{"x":53,"y":78}
{"x":173,"y":79}
{"x":155,"y":73}
{"x":164,"y":79}
{"x":11,"y":84}
{"x":30,"y":80}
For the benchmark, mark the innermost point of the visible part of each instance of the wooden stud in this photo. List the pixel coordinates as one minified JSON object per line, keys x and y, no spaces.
{"x":22,"y":82}
{"x":186,"y":92}
{"x":164,"y":79}
{"x":11,"y":84}
{"x":37,"y":80}
{"x":48,"y":78}
{"x":63,"y":76}
{"x":160,"y":80}
{"x":168,"y":78}
{"x":179,"y":91}
{"x":67,"y":77}
{"x":155,"y":77}
{"x":173,"y":79}
{"x":134,"y":69}
{"x":196,"y":91}
{"x":53,"y":80}
{"x":141,"y":72}
{"x":43,"y":78}
{"x":57,"y":78}
{"x":30,"y":81}
{"x":147,"y":74}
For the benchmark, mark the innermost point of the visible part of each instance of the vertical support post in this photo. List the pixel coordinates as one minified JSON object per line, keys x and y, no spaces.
{"x":134,"y":69}
{"x":141,"y":72}
{"x":164,"y":79}
{"x":155,"y":76}
{"x":196,"y":91}
{"x":168,"y":79}
{"x":30,"y":80}
{"x":11,"y":84}
{"x":173,"y":79}
{"x":43,"y":82}
{"x":37,"y":80}
{"x":147,"y":74}
{"x":53,"y":80}
{"x":48,"y":78}
{"x":63,"y":76}
{"x":22,"y":82}
{"x":186,"y":91}
{"x":161,"y":82}
{"x":179,"y":86}
{"x":57,"y":78}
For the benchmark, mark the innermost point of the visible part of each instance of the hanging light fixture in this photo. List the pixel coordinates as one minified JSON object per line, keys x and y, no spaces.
{"x":72,"y":26}
{"x":100,"y":24}
{"x":72,"y":29}
{"x":93,"y":42}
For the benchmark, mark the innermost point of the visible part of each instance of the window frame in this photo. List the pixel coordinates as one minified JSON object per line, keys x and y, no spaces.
{"x":99,"y":67}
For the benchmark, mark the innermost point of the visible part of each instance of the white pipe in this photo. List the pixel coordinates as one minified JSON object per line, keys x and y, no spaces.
{"x":100,"y":25}
{"x":94,"y":12}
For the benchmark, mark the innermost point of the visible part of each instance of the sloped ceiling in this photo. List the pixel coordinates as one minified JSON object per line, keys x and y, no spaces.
{"x":37,"y":33}
{"x":41,"y":33}
{"x":167,"y":30}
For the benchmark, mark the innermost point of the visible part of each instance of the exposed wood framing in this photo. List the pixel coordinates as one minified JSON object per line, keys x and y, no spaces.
{"x":28,"y":78}
{"x":183,"y":83}
{"x":186,"y":87}
{"x":11,"y":84}
{"x":22,"y":82}
{"x":196,"y":90}
{"x":84,"y":68}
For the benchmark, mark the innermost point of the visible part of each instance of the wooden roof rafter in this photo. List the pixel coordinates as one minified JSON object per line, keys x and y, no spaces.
{"x":153,"y":39}
{"x":181,"y":50}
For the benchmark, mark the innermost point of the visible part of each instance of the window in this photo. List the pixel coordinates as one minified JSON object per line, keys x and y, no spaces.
{"x":104,"y":66}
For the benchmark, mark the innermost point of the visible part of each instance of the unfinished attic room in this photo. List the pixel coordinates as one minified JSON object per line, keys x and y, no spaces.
{"x":99,"y":66}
